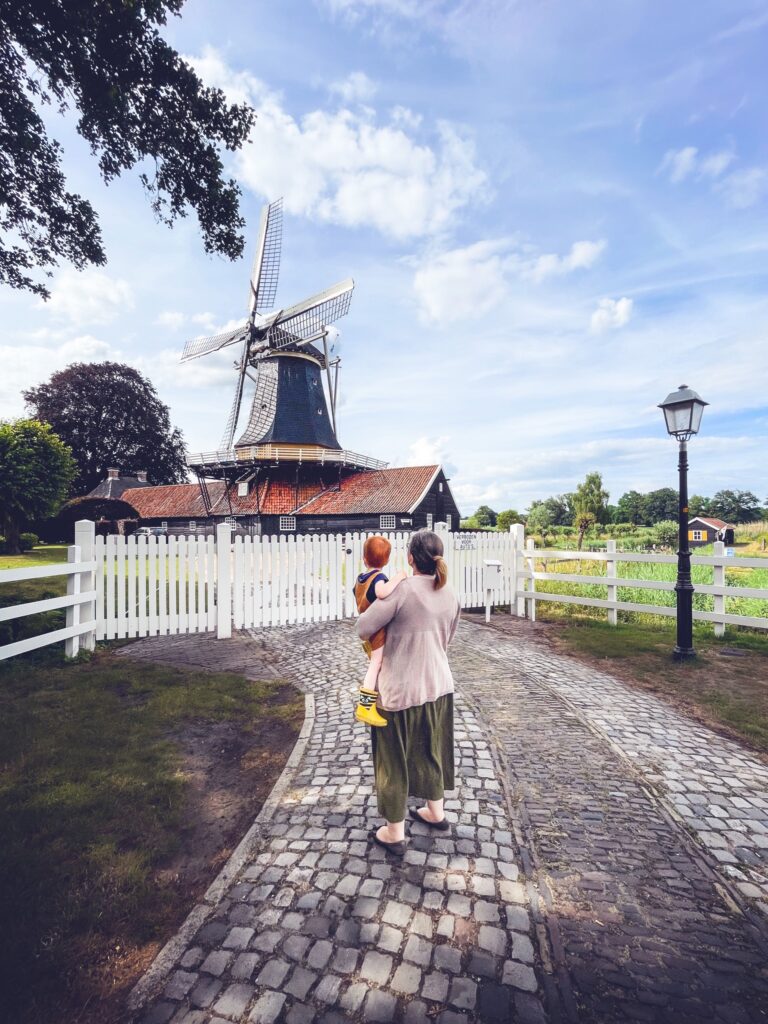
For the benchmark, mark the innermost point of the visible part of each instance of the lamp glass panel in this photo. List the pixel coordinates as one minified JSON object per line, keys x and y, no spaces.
{"x":696,"y":414}
{"x":678,"y":417}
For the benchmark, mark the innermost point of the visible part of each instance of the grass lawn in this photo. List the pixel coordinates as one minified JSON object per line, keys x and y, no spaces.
{"x":726,"y":685}
{"x":98,"y":804}
{"x":32,"y":590}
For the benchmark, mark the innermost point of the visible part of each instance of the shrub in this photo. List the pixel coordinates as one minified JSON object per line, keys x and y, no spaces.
{"x":665,"y":533}
{"x":27,"y":541}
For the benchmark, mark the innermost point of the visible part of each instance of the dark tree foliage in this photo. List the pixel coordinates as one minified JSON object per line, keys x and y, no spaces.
{"x":735,"y":506}
{"x":139,"y":103}
{"x":110,"y":415}
{"x":660,"y":505}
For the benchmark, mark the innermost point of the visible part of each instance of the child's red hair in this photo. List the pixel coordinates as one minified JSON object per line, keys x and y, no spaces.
{"x":376,"y":551}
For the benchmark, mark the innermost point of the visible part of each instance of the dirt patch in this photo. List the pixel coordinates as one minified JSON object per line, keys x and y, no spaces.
{"x":724,"y":682}
{"x":229,"y":772}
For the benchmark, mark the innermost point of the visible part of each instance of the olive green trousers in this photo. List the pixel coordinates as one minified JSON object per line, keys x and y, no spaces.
{"x":413,"y":755}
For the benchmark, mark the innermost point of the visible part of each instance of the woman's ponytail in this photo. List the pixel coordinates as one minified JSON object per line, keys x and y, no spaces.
{"x":441,"y":572}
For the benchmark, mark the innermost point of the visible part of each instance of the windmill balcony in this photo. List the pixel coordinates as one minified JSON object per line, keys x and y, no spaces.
{"x":275,"y":454}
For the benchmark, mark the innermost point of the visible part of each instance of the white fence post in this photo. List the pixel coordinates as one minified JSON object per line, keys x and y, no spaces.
{"x":223,"y":581}
{"x":610,"y":572}
{"x":718,"y":579}
{"x":517,"y":604}
{"x":72,"y":643}
{"x":531,"y":563}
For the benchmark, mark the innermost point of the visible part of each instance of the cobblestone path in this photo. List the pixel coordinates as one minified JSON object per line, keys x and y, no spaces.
{"x":323,"y":926}
{"x":566,"y":891}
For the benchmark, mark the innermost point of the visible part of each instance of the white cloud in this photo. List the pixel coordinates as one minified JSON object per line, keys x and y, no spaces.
{"x":427,"y":451}
{"x":345,"y":167}
{"x":171,"y":320}
{"x":89,"y":297}
{"x":713,"y":165}
{"x":611,"y":313}
{"x":356,"y":87}
{"x":581,"y":256}
{"x":744,"y":188}
{"x":679,"y":163}
{"x":461,"y":283}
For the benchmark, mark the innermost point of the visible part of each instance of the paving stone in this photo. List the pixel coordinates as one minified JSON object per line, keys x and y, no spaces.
{"x":483,"y":964}
{"x":517,"y":919}
{"x":493,"y":1003}
{"x":327,"y":990}
{"x":179,"y":984}
{"x":522,"y":949}
{"x":376,"y":967}
{"x":234,"y":1000}
{"x":398,"y":914}
{"x":519,"y":975}
{"x":192,"y":958}
{"x":295,"y":946}
{"x":267,"y":941}
{"x":459,"y":906}
{"x":416,"y":1013}
{"x":217,"y":962}
{"x":320,"y":954}
{"x":494,"y":940}
{"x":300,"y":1014}
{"x":528,"y":1009}
{"x":352,"y":998}
{"x":300,"y":982}
{"x":406,"y":980}
{"x":160,"y":1013}
{"x":418,"y":950}
{"x":267,"y":1008}
{"x":445,"y":926}
{"x":447,"y":958}
{"x":390,"y":939}
{"x":273,"y":973}
{"x":244,"y":966}
{"x":422,"y":925}
{"x":379,"y":1006}
{"x":463,"y":994}
{"x":205,"y":991}
{"x":365,"y":907}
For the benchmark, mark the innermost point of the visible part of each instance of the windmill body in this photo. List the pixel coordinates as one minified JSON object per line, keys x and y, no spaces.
{"x":284,"y":355}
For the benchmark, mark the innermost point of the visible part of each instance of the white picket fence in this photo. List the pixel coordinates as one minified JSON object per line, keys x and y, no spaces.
{"x":159,"y":586}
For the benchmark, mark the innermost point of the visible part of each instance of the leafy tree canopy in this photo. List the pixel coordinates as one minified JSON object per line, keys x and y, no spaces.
{"x":631,"y":508}
{"x":507,"y":518}
{"x":591,"y":496}
{"x":485,"y":516}
{"x":36,"y":470}
{"x":138,"y":103}
{"x":699,"y":506}
{"x":666,"y":533}
{"x":735,"y":506}
{"x":539,"y":518}
{"x":110,"y":415}
{"x":660,"y":504}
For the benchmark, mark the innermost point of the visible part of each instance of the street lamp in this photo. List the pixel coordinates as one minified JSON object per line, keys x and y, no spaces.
{"x":682,"y":415}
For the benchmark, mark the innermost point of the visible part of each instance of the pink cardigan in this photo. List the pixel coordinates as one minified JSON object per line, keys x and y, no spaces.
{"x":420,"y":623}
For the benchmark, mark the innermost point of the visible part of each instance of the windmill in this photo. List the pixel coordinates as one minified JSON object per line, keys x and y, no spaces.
{"x":279,"y":355}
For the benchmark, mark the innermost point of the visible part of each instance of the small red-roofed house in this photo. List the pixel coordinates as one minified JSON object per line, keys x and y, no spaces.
{"x":706,"y":530}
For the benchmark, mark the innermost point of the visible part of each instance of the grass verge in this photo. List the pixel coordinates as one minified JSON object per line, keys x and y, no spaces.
{"x":95,"y":804}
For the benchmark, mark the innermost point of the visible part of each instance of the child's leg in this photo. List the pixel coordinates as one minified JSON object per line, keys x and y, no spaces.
{"x":374,"y":667}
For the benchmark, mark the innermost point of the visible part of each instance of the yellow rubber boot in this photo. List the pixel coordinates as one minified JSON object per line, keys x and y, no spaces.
{"x":366,"y":710}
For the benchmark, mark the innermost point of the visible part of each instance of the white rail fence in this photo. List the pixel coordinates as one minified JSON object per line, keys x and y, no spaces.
{"x":121,"y":587}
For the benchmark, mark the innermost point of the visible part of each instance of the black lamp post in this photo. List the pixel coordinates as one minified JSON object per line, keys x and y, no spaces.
{"x":682,"y":414}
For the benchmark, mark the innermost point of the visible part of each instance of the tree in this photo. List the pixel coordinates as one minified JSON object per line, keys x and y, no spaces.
{"x":590,"y":496}
{"x":584,"y":519}
{"x":698,"y":506}
{"x":485,"y":516}
{"x":666,"y":533}
{"x":36,"y":469}
{"x":661,"y":504}
{"x":631,"y":508}
{"x":507,"y":518}
{"x":139,"y":103}
{"x":735,"y":506}
{"x":539,"y":518}
{"x":110,"y":415}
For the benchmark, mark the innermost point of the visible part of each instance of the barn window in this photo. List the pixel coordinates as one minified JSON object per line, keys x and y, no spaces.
{"x":449,"y":521}
{"x":287,"y":523}
{"x":164,"y":524}
{"x":698,"y":535}
{"x":242,"y":489}
{"x":387,"y":522}
{"x":429,"y":520}
{"x":440,"y":488}
{"x":231,"y":521}
{"x":192,"y":526}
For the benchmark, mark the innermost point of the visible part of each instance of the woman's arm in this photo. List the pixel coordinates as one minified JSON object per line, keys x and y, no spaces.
{"x":455,"y":623}
{"x":377,"y":616}
{"x":383,"y":589}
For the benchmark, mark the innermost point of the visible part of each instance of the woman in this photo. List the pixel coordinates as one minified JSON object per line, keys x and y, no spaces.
{"x":413,"y":754}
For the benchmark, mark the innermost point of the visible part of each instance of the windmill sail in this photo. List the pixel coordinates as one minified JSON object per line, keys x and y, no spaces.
{"x":306,"y":319}
{"x":266,"y":263}
{"x":202,"y":346}
{"x":234,"y":414}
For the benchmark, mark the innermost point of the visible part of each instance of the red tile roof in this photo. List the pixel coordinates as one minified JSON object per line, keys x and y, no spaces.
{"x":717,"y":524}
{"x":386,"y":491}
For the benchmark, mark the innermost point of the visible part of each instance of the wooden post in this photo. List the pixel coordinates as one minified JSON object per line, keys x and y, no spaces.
{"x":531,"y":562}
{"x":610,"y":571}
{"x":718,"y":550}
{"x":223,"y":581}
{"x":72,"y":643}
{"x":85,"y":540}
{"x":517,"y":604}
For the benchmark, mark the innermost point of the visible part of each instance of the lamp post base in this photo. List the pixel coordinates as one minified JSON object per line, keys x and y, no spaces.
{"x":683,"y":653}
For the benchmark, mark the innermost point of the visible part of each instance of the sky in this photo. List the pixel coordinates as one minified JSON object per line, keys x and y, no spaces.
{"x":554,"y":211}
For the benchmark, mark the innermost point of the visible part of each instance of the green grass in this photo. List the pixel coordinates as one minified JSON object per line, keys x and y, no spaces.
{"x":32,"y":590}
{"x":92,"y":803}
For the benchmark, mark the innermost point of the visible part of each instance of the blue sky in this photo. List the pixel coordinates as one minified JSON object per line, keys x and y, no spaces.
{"x":554,"y":213}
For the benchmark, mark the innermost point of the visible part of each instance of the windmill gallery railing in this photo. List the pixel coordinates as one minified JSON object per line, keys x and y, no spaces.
{"x":121,"y":587}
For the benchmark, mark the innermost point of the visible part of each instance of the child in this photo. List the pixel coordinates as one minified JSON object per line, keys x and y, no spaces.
{"x":371,"y":585}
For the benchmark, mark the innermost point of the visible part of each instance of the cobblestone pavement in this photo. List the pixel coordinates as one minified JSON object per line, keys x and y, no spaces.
{"x":321,"y":925}
{"x":566,"y":891}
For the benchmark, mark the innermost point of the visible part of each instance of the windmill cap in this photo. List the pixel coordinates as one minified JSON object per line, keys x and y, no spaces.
{"x":683,"y":394}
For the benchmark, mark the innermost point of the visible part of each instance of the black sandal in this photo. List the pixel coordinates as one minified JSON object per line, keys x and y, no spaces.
{"x":396,"y":849}
{"x":441,"y":826}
